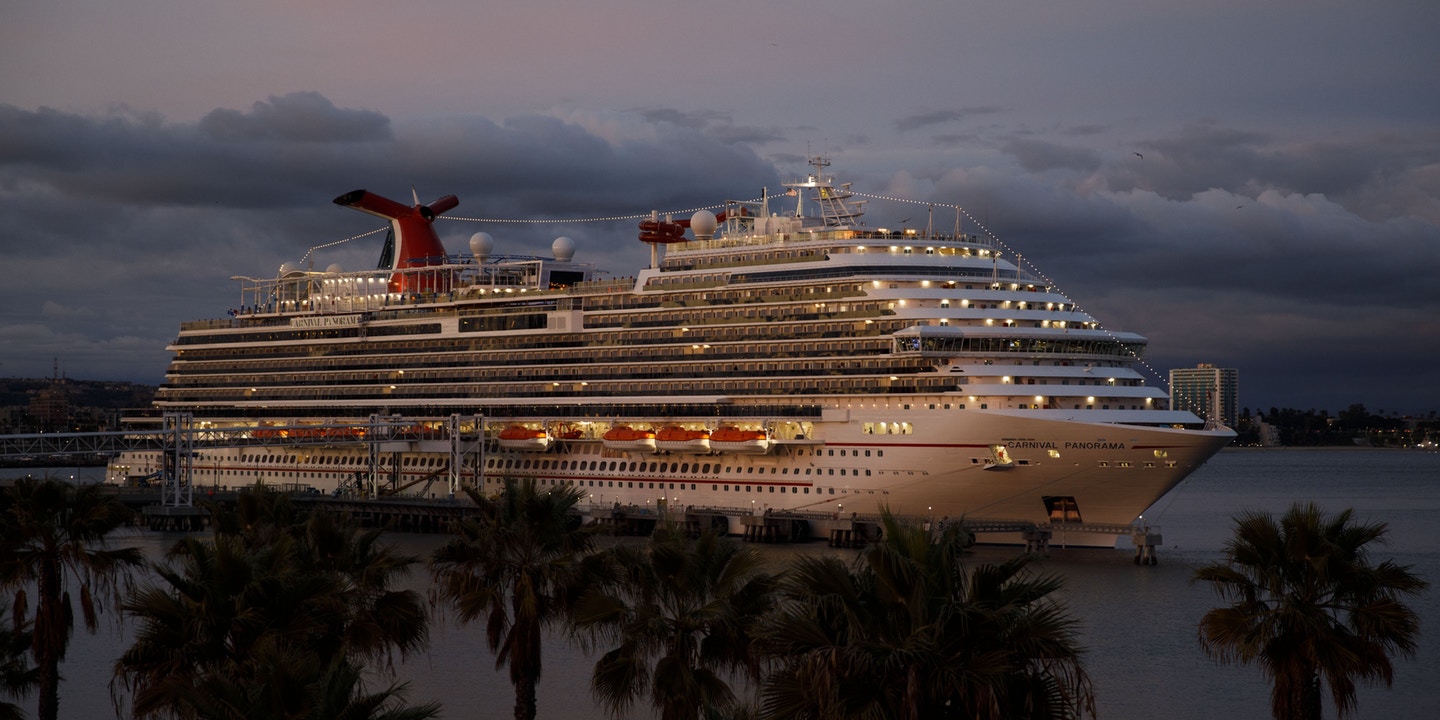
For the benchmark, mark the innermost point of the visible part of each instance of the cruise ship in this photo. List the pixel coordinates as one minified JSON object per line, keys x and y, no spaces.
{"x":775,"y":355}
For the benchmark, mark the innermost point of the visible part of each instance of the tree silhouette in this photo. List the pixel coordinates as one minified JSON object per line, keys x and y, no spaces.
{"x":679,"y":618}
{"x":518,"y":565}
{"x":274,"y":616}
{"x":54,"y":535}
{"x":1307,"y":606}
{"x":907,"y":632}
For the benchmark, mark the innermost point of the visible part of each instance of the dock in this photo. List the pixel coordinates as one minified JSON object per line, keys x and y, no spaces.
{"x":435,"y":515}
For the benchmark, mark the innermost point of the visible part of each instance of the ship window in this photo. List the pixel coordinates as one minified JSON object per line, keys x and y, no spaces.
{"x":685,"y":468}
{"x":832,"y":471}
{"x":772,"y":488}
{"x":880,"y":453}
{"x":706,"y":468}
{"x":867,"y":453}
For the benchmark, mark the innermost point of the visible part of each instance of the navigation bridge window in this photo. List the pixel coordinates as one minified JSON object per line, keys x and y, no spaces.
{"x":948,"y":340}
{"x":888,"y":428}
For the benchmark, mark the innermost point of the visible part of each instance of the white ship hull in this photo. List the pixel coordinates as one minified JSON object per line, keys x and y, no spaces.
{"x":1107,"y":474}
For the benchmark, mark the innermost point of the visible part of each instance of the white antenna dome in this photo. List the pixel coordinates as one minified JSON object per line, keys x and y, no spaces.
{"x":334,"y":269}
{"x":563,"y":249}
{"x":703,"y":224}
{"x":481,"y":245}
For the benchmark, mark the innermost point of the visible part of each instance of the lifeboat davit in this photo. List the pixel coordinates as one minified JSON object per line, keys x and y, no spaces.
{"x":624,"y":437}
{"x":729,"y":439}
{"x":678,"y":439}
{"x":565,"y":432}
{"x":527,"y":439}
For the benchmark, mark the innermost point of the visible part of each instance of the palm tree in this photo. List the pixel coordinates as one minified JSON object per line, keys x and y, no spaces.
{"x":1309,"y":608}
{"x":682,"y":615}
{"x":258,"y":619}
{"x":907,"y":632}
{"x":53,"y":534}
{"x":298,"y":686}
{"x":17,"y":678}
{"x":518,"y":565}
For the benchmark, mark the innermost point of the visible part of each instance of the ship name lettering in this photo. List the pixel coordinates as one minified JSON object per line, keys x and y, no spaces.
{"x":1094,"y":446}
{"x":325,"y":321}
{"x":1034,"y":444}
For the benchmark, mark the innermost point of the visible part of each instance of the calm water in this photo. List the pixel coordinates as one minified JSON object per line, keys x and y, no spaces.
{"x":1139,"y":622}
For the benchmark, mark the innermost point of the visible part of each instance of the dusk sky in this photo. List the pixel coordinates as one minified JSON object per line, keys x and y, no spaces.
{"x":1255,"y":185}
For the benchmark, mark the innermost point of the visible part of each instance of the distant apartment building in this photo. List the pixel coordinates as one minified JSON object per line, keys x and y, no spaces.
{"x":1208,"y":391}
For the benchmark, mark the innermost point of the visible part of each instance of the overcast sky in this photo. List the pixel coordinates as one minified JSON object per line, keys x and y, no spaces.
{"x":1255,"y":185}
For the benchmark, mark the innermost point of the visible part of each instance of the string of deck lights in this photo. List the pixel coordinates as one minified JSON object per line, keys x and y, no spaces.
{"x":612,"y":218}
{"x":312,"y":250}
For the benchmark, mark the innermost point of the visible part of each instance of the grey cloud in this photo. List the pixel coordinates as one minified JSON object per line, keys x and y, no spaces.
{"x":1377,"y":178}
{"x":940,"y":117}
{"x":1039,"y":156}
{"x":296,"y":117}
{"x":157,"y":216}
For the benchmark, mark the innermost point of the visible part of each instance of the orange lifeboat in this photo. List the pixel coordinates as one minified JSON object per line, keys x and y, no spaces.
{"x":624,"y":437}
{"x":731,"y":439}
{"x":674,"y":438}
{"x":527,"y":439}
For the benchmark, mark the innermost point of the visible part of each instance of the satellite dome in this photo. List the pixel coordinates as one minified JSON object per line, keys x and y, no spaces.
{"x":334,"y":269}
{"x":563,"y":249}
{"x":703,"y":224}
{"x":481,"y":245}
{"x":289,"y":268}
